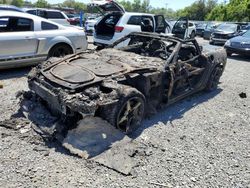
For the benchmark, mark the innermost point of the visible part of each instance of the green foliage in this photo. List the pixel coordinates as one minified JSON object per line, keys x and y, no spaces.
{"x":136,"y":5}
{"x":235,"y":10}
{"x":17,"y":3}
{"x":74,"y":4}
{"x":144,"y":6}
{"x":42,"y":4}
{"x":198,"y":10}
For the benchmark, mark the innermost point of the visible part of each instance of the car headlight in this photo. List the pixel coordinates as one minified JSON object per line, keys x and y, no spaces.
{"x":212,"y":35}
{"x":228,"y":43}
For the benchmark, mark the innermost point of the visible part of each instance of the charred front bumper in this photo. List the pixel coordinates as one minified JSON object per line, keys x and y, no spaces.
{"x":61,"y":103}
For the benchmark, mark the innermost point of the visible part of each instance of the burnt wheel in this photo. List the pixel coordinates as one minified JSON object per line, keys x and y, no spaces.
{"x":214,"y":79}
{"x":128,"y":112}
{"x":60,"y":50}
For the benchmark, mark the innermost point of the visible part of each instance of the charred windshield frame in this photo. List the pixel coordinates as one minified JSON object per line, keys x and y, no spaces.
{"x":162,"y":38}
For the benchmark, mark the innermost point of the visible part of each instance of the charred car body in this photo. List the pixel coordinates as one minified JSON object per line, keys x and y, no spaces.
{"x":122,"y":85}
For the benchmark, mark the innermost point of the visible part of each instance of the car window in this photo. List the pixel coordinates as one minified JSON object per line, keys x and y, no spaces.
{"x":15,"y":24}
{"x":54,"y":15}
{"x":135,"y":20}
{"x":3,"y":22}
{"x":190,"y":24}
{"x":247,"y":34}
{"x":32,"y":12}
{"x":48,"y":26}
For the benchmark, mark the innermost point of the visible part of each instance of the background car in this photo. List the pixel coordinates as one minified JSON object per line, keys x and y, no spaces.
{"x":90,"y":24}
{"x":239,"y":44}
{"x":27,"y":39}
{"x":117,"y":23}
{"x":10,"y":7}
{"x":50,"y":14}
{"x":200,"y":29}
{"x":73,"y":19}
{"x":210,"y":27}
{"x":224,"y":32}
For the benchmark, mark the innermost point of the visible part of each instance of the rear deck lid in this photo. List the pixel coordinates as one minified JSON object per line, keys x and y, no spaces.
{"x":107,"y":6}
{"x":82,"y":72}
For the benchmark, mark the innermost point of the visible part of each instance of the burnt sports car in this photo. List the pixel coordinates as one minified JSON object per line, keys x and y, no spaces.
{"x":122,"y":85}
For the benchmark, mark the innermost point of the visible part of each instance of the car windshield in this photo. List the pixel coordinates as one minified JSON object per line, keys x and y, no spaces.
{"x":247,"y":34}
{"x":210,"y":26}
{"x":147,"y":46}
{"x":227,"y":27}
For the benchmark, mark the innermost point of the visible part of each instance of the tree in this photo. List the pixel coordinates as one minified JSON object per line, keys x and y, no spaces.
{"x":73,"y":4}
{"x":17,"y":3}
{"x":235,"y":10}
{"x":42,"y":4}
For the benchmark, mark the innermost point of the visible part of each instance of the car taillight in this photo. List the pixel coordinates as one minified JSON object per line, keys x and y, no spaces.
{"x":118,"y":29}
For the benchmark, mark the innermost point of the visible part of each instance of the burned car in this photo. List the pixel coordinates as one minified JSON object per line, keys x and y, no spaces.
{"x":123,"y":85}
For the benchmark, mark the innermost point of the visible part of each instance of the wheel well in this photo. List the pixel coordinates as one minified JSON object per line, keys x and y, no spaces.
{"x":61,"y":43}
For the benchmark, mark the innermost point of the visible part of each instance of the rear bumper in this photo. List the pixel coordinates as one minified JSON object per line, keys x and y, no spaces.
{"x":242,"y":51}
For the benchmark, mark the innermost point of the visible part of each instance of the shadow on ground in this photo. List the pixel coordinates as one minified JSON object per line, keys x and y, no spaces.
{"x":176,"y":111}
{"x":14,"y":73}
{"x":240,"y":58}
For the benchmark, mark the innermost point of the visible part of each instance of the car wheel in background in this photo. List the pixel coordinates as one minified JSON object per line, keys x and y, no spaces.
{"x":60,"y":50}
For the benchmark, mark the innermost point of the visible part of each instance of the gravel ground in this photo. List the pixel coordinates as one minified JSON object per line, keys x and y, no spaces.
{"x":202,"y":141}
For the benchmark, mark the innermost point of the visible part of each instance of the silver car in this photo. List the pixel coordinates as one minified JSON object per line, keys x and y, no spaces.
{"x":26,"y":39}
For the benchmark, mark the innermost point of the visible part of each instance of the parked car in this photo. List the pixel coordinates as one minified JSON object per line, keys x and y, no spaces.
{"x":239,"y":44}
{"x":117,"y":23}
{"x":200,"y":29}
{"x":73,"y":19}
{"x":10,"y":7}
{"x":90,"y":24}
{"x":27,"y":39}
{"x":184,"y":29}
{"x":245,"y":28}
{"x":50,"y":14}
{"x":224,"y":32}
{"x":210,"y":27}
{"x":122,"y":85}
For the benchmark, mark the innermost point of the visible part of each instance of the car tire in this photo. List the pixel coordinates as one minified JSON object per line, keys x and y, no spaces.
{"x":60,"y":51}
{"x":98,"y":48}
{"x":214,"y":79}
{"x":192,"y":36}
{"x":211,"y":42}
{"x":128,"y":112}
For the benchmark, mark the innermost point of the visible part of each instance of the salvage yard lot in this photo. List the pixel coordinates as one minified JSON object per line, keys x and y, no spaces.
{"x":201,"y":141}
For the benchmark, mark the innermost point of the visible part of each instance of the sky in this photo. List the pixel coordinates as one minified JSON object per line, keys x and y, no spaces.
{"x":174,"y":4}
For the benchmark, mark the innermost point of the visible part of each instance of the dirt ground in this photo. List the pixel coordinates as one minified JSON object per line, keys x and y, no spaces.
{"x":202,"y":141}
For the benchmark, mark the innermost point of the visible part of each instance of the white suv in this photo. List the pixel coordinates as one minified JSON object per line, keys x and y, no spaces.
{"x":118,"y":23}
{"x":50,"y":14}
